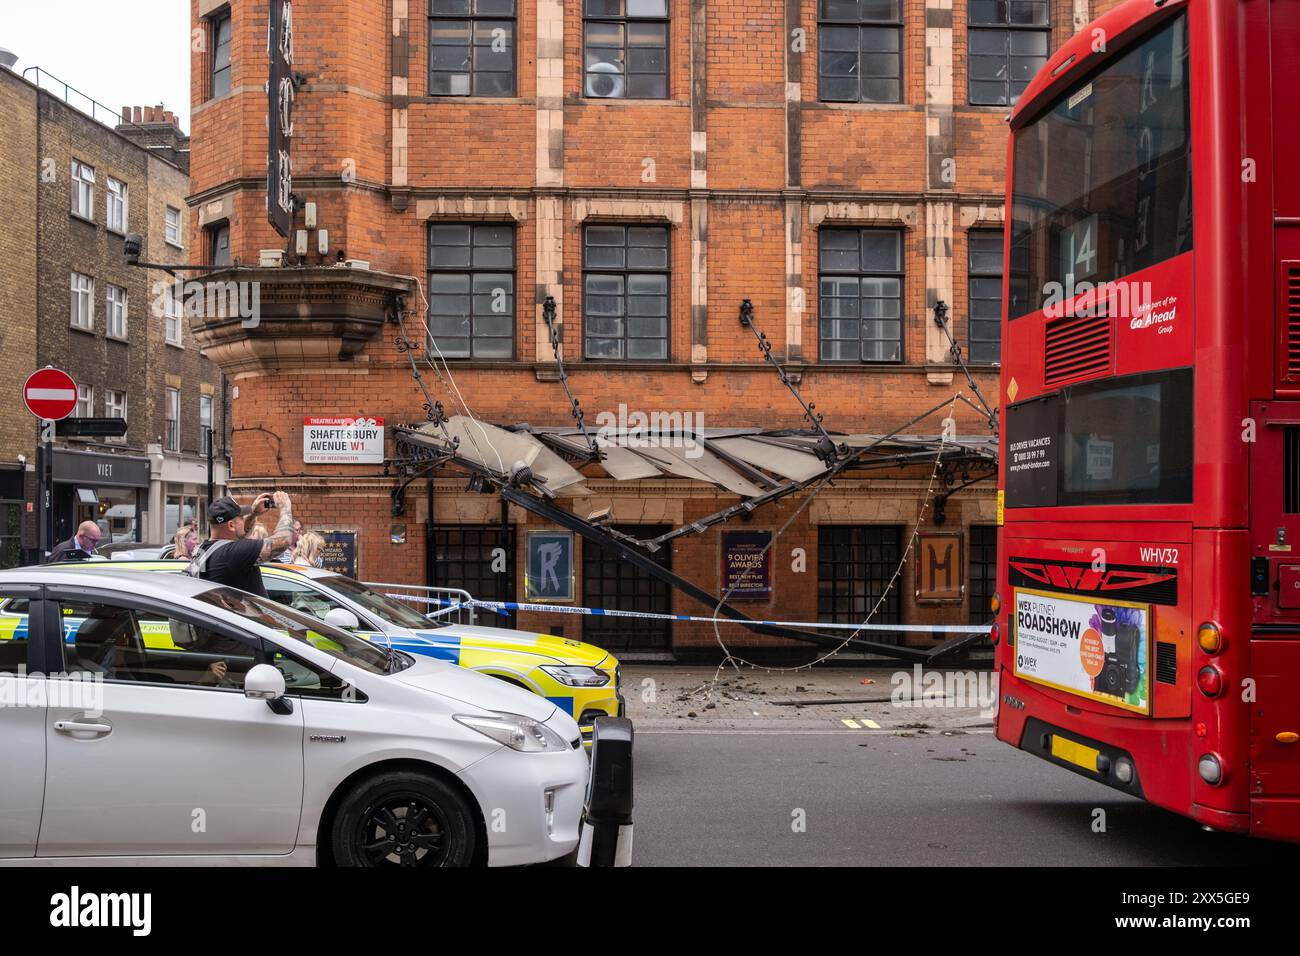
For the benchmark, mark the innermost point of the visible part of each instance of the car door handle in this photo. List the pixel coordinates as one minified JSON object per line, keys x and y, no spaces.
{"x":80,"y":727}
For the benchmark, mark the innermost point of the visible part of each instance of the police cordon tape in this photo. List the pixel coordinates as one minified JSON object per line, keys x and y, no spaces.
{"x":503,"y":607}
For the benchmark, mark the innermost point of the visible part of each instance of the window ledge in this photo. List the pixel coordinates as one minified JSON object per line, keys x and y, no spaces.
{"x":81,"y":328}
{"x":80,"y":218}
{"x":866,"y":107}
{"x":117,"y":338}
{"x":447,"y":99}
{"x":174,"y":245}
{"x":621,"y":101}
{"x":175,"y":345}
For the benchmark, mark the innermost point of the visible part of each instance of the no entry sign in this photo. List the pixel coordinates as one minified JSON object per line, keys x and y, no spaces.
{"x":50,"y":394}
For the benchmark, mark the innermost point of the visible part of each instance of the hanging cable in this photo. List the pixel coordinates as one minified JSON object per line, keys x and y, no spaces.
{"x":554,"y":329}
{"x":826,"y":448}
{"x":941,"y":320}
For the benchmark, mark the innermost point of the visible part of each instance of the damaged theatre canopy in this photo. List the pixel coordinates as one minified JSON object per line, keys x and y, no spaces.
{"x":759,"y":466}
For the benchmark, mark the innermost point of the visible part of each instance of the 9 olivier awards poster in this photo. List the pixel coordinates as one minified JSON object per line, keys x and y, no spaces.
{"x":1092,"y":648}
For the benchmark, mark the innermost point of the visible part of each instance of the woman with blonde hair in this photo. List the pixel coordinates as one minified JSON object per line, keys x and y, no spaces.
{"x":310,"y":550}
{"x":184,"y":542}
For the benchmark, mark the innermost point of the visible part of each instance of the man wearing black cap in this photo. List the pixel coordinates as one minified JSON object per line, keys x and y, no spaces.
{"x":229,"y":558}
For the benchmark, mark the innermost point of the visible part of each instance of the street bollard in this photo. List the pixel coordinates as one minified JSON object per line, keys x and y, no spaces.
{"x":606,"y":838}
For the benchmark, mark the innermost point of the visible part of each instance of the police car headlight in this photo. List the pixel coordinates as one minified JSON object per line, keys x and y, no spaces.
{"x":515,"y":731}
{"x":575,"y":676}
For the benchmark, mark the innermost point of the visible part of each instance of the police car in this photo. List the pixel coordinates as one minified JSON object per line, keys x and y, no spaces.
{"x":151,"y":718}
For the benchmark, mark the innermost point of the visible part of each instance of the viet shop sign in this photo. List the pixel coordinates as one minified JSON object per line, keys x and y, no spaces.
{"x":747,"y":564}
{"x":342,"y":440}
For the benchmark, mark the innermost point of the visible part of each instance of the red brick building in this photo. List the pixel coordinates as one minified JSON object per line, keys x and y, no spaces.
{"x":648,"y":165}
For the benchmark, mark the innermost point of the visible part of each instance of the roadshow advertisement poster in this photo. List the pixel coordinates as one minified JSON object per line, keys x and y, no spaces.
{"x":1096,"y":649}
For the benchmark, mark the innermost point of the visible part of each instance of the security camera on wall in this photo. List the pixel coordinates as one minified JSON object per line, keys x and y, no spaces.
{"x":605,"y":80}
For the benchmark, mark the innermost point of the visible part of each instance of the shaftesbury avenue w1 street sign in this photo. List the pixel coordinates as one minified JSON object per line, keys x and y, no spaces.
{"x":279,"y":118}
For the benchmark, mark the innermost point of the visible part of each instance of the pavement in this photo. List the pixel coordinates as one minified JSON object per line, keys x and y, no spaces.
{"x":828,"y":699}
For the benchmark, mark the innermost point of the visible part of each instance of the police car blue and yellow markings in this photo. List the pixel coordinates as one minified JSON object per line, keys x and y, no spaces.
{"x":564,"y":703}
{"x":13,"y":627}
{"x":442,"y":650}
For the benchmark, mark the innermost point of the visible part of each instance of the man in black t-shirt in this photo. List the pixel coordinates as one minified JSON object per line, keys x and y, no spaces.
{"x":228,"y":558}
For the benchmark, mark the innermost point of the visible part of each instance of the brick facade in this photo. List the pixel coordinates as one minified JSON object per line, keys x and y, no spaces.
{"x":741,"y":161}
{"x":19,"y":163}
{"x":50,"y":242}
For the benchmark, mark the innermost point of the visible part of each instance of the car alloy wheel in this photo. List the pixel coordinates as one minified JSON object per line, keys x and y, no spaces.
{"x":404,"y":819}
{"x":402,"y":832}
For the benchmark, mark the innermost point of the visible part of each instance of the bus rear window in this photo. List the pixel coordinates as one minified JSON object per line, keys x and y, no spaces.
{"x":1102,"y":182}
{"x":1123,"y":441}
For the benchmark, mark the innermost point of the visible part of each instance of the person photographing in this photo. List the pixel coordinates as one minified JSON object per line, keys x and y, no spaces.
{"x":230,"y":558}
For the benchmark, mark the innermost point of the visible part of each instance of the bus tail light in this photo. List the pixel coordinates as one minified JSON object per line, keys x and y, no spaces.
{"x":1210,"y":680}
{"x":1210,"y":637}
{"x":995,"y":603}
{"x":995,"y":633}
{"x":1211,"y":769}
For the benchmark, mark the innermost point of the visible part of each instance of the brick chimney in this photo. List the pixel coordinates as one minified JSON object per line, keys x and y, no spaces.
{"x":157,"y":130}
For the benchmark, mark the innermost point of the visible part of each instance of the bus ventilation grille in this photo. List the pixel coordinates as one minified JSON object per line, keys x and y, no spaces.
{"x":1166,"y":663}
{"x":1075,"y":347}
{"x":1291,"y":315}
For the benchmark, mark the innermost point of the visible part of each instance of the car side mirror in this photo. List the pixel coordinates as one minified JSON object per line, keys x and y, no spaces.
{"x":264,"y":682}
{"x":342,"y":618}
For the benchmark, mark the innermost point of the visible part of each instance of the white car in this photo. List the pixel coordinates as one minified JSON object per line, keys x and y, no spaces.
{"x":186,"y":722}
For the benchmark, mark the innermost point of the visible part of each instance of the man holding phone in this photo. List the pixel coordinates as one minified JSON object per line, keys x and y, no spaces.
{"x":228,"y":558}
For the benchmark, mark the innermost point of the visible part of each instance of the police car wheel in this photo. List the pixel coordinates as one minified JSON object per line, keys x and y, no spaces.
{"x":403,"y":819}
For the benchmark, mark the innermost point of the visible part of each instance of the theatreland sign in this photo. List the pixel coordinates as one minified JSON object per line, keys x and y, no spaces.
{"x":279,"y":118}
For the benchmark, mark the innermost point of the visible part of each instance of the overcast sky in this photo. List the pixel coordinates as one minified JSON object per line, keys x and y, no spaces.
{"x":120,"y":52}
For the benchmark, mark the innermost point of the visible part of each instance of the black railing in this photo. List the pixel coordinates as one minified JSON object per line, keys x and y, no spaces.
{"x":92,"y":107}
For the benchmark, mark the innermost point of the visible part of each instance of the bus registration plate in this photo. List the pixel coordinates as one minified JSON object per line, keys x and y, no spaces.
{"x":1077,"y":754}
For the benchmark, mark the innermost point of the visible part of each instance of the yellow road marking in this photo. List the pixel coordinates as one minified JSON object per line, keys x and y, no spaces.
{"x":853,"y":724}
{"x":872,"y":724}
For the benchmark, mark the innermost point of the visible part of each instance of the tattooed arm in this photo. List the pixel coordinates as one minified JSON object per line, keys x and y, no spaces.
{"x":282,"y":536}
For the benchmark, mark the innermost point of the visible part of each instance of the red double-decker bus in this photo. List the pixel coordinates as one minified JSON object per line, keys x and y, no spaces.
{"x":1148,"y":608}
